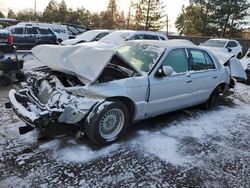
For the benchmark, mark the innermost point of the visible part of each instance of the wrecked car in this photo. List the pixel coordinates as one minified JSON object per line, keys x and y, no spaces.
{"x":246,"y":65}
{"x":103,"y":90}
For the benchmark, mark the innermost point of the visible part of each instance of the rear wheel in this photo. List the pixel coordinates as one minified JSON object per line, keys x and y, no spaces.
{"x":107,"y":122}
{"x":5,"y":80}
{"x":213,"y":99}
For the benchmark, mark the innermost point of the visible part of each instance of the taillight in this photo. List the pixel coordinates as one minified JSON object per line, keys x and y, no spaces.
{"x":11,"y":39}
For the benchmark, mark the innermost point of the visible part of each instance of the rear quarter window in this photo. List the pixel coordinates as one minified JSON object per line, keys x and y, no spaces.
{"x":201,"y":60}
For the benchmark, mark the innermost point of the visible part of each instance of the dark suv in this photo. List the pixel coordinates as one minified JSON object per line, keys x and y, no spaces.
{"x":26,"y":37}
{"x":6,"y":41}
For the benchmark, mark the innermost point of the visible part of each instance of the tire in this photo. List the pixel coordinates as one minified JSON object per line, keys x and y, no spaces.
{"x":239,"y":56}
{"x":59,"y":41}
{"x":20,"y":76}
{"x":5,"y":80}
{"x":113,"y":114}
{"x":213,"y":98}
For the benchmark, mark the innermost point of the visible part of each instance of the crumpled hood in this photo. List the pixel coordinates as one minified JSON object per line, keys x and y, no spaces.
{"x":85,"y":61}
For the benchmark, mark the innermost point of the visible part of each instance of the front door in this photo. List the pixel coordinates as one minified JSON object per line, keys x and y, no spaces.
{"x":169,"y":93}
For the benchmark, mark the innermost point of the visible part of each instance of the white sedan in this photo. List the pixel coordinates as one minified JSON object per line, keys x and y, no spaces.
{"x":101,"y":91}
{"x":88,"y":36}
{"x":232,"y":47}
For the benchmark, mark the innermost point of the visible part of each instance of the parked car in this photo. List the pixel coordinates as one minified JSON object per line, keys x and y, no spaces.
{"x":246,"y":64}
{"x":73,"y":30}
{"x":225,"y":45}
{"x":60,"y":31}
{"x":184,"y":41}
{"x":28,"y":36}
{"x":88,"y":36}
{"x":103,"y":90}
{"x":118,"y":37}
{"x":6,"y":41}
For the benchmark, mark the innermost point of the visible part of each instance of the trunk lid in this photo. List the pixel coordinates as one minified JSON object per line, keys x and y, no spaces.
{"x":235,"y":66}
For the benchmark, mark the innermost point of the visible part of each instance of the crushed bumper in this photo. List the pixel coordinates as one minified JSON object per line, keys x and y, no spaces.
{"x":19,"y":102}
{"x":42,"y":115}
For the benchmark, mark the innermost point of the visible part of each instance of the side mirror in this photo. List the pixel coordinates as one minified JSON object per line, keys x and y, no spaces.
{"x":165,"y":71}
{"x":229,"y":49}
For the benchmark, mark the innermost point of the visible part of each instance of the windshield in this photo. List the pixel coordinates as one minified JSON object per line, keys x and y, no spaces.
{"x":116,"y":37}
{"x":141,"y":56}
{"x":214,"y":43}
{"x":88,"y":35}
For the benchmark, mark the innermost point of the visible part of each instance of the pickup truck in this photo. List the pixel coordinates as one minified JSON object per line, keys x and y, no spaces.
{"x":6,"y":41}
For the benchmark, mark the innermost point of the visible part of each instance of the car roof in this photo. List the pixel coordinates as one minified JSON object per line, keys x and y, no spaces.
{"x":222,"y":39}
{"x":164,"y":44}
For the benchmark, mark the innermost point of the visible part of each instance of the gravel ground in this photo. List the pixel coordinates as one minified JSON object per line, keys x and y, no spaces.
{"x":188,"y":148}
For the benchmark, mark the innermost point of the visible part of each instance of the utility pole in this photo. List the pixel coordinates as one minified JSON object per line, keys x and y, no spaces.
{"x":35,"y":9}
{"x":167,"y":21}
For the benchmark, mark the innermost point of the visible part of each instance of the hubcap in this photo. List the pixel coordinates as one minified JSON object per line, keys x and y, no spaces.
{"x":111,"y":124}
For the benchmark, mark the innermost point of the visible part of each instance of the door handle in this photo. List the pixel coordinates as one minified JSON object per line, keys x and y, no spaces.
{"x":215,"y":76}
{"x":189,"y":81}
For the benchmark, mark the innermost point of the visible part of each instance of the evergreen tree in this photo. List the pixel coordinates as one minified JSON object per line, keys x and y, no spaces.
{"x":1,"y":15}
{"x":11,"y":14}
{"x":50,"y":13}
{"x":112,"y":18}
{"x":222,"y":18}
{"x":149,"y":14}
{"x":62,"y":12}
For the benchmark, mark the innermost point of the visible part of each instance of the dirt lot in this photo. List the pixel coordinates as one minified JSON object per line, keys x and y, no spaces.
{"x":188,"y":148}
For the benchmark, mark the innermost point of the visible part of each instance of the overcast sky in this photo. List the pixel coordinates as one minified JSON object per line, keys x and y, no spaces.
{"x":173,"y":7}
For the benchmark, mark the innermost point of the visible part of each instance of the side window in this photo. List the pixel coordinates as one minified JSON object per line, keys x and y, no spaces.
{"x":162,"y":38}
{"x":44,"y":31}
{"x":210,"y":63}
{"x":199,"y":61}
{"x":231,"y":44}
{"x":101,"y":35}
{"x":31,"y":30}
{"x":151,"y":37}
{"x":137,"y":37}
{"x":177,"y":59}
{"x":17,"y":30}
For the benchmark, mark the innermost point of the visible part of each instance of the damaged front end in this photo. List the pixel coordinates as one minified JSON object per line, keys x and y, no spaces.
{"x":44,"y":101}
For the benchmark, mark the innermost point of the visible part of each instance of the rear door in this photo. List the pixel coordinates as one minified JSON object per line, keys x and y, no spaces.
{"x":18,"y":34}
{"x":169,"y":93}
{"x":204,"y":76}
{"x":31,"y":36}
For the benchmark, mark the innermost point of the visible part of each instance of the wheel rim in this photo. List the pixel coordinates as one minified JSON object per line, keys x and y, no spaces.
{"x":111,"y":124}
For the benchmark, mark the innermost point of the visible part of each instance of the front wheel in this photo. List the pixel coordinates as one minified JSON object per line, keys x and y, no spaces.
{"x":5,"y":80}
{"x":106,"y":122}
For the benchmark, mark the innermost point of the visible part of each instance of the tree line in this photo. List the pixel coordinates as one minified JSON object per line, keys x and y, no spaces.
{"x":219,"y":18}
{"x":214,"y":18}
{"x":142,"y":15}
